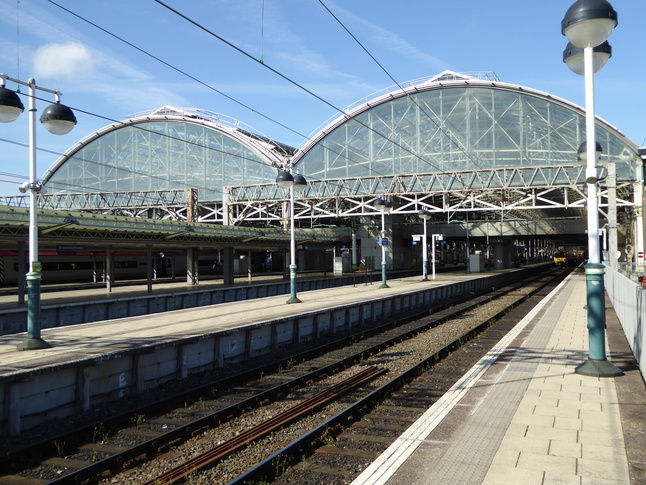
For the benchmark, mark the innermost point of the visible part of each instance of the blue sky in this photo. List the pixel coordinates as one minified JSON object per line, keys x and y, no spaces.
{"x":104,"y":79}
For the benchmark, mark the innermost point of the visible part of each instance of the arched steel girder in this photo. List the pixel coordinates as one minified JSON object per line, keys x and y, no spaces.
{"x":530,"y":191}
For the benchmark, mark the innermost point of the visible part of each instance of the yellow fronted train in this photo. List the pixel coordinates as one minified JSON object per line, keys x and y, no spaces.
{"x":560,"y":258}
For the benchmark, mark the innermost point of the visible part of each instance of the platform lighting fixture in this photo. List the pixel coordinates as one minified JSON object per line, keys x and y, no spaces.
{"x":384,"y":206}
{"x":587,"y":25}
{"x":294,"y":182}
{"x":425,"y":216}
{"x":59,"y":120}
{"x":10,"y":105}
{"x":574,"y":57}
{"x":434,"y":239}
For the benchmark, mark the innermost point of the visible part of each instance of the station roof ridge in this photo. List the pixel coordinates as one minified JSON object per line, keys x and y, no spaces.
{"x":226,"y":122}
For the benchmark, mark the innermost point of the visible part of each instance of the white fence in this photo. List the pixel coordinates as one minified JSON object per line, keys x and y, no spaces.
{"x":629,"y":301}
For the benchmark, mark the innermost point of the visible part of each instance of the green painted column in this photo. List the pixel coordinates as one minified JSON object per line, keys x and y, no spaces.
{"x":33,"y":340}
{"x":596,"y":310}
{"x":597,"y":365}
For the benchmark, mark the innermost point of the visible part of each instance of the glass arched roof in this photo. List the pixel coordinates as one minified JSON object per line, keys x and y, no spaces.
{"x":169,"y":149}
{"x":454,"y":123}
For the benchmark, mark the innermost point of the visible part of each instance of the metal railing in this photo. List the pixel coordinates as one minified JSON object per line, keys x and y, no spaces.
{"x":629,"y":301}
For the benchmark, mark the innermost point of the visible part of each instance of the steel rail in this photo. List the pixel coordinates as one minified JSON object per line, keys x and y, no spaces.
{"x":288,"y":416}
{"x":115,"y":463}
{"x":266,"y":470}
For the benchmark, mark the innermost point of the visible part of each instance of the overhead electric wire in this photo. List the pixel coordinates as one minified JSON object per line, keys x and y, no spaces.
{"x":457,"y":144}
{"x":130,"y":44}
{"x":136,"y":126}
{"x":25,"y":145}
{"x":291,"y":81}
{"x":229,"y":97}
{"x":278,"y":73}
{"x":219,"y":92}
{"x":79,"y":110}
{"x":14,"y":175}
{"x":360,"y":44}
{"x":121,"y":39}
{"x":139,"y":127}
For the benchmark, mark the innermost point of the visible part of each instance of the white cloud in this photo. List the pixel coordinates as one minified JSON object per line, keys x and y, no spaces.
{"x":67,"y":61}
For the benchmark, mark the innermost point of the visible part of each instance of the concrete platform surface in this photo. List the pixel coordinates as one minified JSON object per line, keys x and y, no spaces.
{"x":91,"y":364}
{"x":96,"y":338}
{"x":523,"y":416}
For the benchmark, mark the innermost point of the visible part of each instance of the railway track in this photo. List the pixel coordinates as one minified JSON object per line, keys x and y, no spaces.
{"x":350,"y":445}
{"x":341,"y":447}
{"x":153,"y":434}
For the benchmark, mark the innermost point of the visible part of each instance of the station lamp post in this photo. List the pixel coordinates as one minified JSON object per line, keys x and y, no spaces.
{"x":385,"y":206}
{"x":292,"y":182}
{"x":59,"y":120}
{"x":587,"y":25}
{"x":434,"y":239}
{"x":425,"y":215}
{"x":468,"y":253}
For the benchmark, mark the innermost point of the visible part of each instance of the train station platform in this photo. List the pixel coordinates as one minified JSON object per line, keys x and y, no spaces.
{"x":72,"y":304}
{"x":522,"y":415}
{"x":53,"y":294}
{"x":111,"y":359}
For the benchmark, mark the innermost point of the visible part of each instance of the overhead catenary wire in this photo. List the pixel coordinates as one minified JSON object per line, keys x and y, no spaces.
{"x":13,"y":175}
{"x":229,"y":97}
{"x":404,"y":148}
{"x":421,"y":108}
{"x":291,"y":81}
{"x":167,"y":64}
{"x":113,"y":121}
{"x":138,"y":127}
{"x":116,"y":121}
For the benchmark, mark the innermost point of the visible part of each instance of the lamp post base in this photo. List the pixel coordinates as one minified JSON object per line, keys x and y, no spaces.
{"x":598,"y":368}
{"x":33,"y":344}
{"x":33,"y":340}
{"x":383,"y":272}
{"x":292,"y":284}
